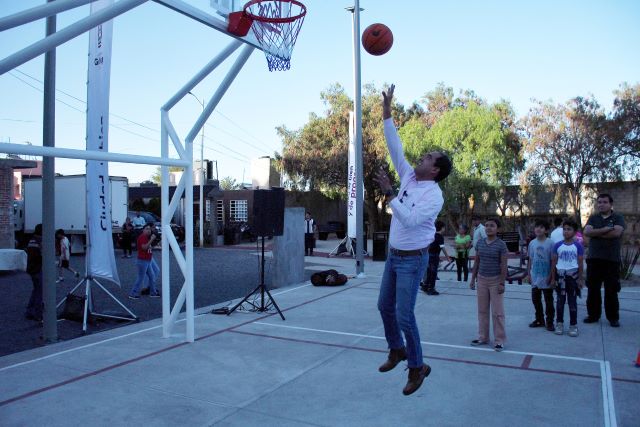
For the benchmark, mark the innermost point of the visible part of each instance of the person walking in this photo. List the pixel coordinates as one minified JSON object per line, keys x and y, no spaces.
{"x":34,"y":269}
{"x":604,"y":231}
{"x":63,"y":247}
{"x":138,"y":224}
{"x":463,"y":244}
{"x":489,"y":274}
{"x":415,"y":208}
{"x":309,"y":234}
{"x":429,"y":285}
{"x":145,"y":256}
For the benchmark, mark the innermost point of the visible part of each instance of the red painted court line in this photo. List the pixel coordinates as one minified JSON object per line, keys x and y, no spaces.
{"x":446,"y":359}
{"x":145,"y":356}
{"x":526,"y":361}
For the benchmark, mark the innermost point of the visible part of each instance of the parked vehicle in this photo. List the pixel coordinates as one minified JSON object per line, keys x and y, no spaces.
{"x":70,"y":207}
{"x":149,"y":217}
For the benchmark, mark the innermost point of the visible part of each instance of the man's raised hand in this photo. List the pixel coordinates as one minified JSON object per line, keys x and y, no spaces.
{"x":387,"y":97}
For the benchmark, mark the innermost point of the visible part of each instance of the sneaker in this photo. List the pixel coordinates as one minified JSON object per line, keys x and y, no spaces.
{"x":134,"y":296}
{"x":498,"y":347}
{"x":432,"y":292}
{"x":590,"y":319}
{"x":559,"y":328}
{"x":550,"y":327}
{"x":478,"y":342}
{"x":614,"y":323}
{"x":573,"y":330}
{"x":155,"y":295}
{"x":77,"y":274}
{"x":60,"y":279}
{"x":536,"y":324}
{"x":145,"y":291}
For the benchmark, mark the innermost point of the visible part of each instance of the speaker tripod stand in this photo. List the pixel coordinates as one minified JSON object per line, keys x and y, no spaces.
{"x":261,"y":290}
{"x":88,"y":280}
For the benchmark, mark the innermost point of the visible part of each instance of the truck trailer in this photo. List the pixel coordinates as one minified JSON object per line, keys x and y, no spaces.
{"x":71,"y":206}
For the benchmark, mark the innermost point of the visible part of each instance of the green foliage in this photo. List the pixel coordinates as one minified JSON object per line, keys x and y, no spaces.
{"x":156,"y":178}
{"x":228,"y":183}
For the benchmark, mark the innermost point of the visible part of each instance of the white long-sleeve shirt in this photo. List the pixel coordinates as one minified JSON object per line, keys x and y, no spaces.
{"x":417,"y":204}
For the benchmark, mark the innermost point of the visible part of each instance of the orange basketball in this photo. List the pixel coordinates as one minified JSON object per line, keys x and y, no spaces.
{"x":377,"y":39}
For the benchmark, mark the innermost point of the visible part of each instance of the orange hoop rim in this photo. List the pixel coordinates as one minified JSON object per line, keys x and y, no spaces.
{"x":268,"y":20}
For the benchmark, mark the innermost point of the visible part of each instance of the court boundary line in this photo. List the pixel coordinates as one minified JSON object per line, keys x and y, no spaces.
{"x":608,"y":402}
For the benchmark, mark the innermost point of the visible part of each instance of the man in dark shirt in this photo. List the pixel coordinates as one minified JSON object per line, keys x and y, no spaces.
{"x":604,"y":231}
{"x":429,"y":285}
{"x":34,"y":269}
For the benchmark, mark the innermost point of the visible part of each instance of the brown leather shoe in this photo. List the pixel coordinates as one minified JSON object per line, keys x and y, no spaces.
{"x":395,"y":356}
{"x":416,"y":377}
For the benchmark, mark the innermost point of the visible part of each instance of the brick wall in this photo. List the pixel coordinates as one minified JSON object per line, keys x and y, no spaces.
{"x":7,"y":240}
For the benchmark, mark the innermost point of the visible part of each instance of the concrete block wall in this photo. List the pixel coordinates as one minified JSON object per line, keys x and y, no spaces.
{"x":288,"y":250}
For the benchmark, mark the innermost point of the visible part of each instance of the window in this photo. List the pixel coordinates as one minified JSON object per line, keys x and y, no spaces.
{"x":238,"y":210}
{"x":207,"y":210}
{"x":220,"y":210}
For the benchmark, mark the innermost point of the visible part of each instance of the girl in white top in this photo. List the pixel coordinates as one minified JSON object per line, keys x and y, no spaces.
{"x":63,"y":248}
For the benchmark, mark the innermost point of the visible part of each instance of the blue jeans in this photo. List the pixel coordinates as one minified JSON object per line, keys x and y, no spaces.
{"x":144,"y":270}
{"x":397,"y":299}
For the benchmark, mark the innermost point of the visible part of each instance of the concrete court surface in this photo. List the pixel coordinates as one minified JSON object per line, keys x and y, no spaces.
{"x":319,"y":367}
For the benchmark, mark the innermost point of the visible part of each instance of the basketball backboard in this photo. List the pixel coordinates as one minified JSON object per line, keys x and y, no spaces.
{"x":225,"y":7}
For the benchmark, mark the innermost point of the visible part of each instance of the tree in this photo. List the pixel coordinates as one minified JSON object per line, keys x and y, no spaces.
{"x":626,"y":125}
{"x":157,"y":175}
{"x":570,"y":144}
{"x":316,"y":156}
{"x":484,"y":149}
{"x":228,"y":183}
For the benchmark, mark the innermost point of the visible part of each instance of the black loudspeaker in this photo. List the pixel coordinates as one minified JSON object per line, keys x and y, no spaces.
{"x":268,"y":212}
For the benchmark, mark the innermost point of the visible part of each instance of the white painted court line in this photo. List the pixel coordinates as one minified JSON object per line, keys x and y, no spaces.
{"x":435,"y":344}
{"x":605,"y":366}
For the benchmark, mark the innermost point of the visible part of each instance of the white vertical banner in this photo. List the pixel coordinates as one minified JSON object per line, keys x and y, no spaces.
{"x":351,"y":180}
{"x":100,"y":257}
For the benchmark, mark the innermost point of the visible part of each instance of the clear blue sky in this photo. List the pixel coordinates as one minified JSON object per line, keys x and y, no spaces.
{"x":500,"y":49}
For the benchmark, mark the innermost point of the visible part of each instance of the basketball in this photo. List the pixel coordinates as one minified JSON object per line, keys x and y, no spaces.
{"x":377,"y":39}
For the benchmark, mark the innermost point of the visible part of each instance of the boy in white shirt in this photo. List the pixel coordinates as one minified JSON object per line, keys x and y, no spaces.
{"x":566,"y":270}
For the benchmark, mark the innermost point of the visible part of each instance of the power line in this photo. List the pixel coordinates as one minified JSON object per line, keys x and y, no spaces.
{"x":261,"y":149}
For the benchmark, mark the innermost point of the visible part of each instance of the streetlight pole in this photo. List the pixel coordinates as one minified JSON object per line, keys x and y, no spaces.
{"x":202,"y":172}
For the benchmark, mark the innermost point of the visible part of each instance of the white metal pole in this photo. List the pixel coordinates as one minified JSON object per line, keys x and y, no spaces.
{"x":201,"y":175}
{"x":357,"y":101}
{"x":66,"y":34}
{"x":39,"y":12}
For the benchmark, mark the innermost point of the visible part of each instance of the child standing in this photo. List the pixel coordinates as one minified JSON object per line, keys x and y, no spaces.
{"x":539,"y":275}
{"x":63,"y":247}
{"x":566,"y":270}
{"x":490,"y":272}
{"x":463,"y":243}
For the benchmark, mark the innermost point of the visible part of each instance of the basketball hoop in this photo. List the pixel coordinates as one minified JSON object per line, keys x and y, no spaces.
{"x":276,"y":24}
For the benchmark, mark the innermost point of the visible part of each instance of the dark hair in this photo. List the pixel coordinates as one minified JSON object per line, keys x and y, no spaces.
{"x":605,"y":196}
{"x":557,"y":222}
{"x":542,"y":223}
{"x":444,"y":164}
{"x":59,"y":231}
{"x":38,"y":230}
{"x":570,"y":223}
{"x":465,"y":227}
{"x":475,"y":218}
{"x":496,"y":221}
{"x":439,"y":225}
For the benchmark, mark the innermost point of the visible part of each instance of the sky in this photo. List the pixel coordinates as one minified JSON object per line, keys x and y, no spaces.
{"x":518,"y":51}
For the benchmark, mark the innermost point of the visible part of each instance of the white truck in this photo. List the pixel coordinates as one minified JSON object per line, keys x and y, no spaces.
{"x":71,"y":206}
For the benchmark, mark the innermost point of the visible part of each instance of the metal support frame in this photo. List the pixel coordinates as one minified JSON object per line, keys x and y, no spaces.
{"x":185,"y":153}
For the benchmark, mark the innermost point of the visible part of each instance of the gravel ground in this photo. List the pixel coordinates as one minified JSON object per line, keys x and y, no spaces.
{"x":220,"y":275}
